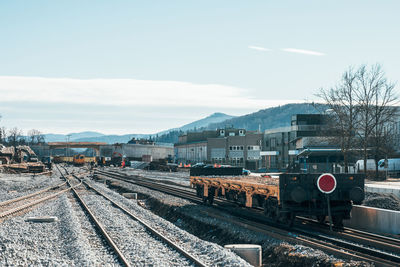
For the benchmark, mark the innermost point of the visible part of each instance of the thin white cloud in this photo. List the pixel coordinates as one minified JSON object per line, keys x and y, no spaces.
{"x":128,"y":92}
{"x":259,"y":48}
{"x":302,"y":51}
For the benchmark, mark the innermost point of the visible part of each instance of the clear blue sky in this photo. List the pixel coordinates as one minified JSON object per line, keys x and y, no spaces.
{"x":265,"y":50}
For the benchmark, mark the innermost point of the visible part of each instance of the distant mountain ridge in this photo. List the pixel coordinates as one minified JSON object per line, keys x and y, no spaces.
{"x":72,"y":136}
{"x":111,"y":139}
{"x":213,"y":118}
{"x":269,"y":118}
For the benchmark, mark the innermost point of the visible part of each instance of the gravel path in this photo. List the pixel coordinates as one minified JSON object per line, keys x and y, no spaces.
{"x":208,"y":252}
{"x":58,"y":243}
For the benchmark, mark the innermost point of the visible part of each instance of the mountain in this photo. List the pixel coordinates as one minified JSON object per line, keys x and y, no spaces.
{"x":264,"y":119}
{"x":213,"y":118}
{"x":112,"y":139}
{"x":72,"y":136}
{"x":269,"y":118}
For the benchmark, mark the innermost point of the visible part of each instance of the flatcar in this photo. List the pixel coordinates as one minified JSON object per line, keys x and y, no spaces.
{"x":285,"y":196}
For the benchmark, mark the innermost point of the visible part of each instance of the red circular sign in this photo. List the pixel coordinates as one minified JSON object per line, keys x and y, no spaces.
{"x":326,"y":183}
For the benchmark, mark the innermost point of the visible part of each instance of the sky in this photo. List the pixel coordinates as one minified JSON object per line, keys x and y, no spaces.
{"x":120,"y":67}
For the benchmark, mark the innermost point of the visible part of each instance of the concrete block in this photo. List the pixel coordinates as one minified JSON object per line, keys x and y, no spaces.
{"x":42,"y":219}
{"x":374,"y":220}
{"x":249,"y":252}
{"x":130,"y":195}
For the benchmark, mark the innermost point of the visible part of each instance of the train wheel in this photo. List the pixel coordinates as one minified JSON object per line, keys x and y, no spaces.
{"x":337,"y":221}
{"x":271,"y":208}
{"x":321,"y":218}
{"x":199,"y":191}
{"x":291,"y":218}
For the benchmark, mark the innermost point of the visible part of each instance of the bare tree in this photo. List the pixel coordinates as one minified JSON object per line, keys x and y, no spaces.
{"x":363,"y":106}
{"x":3,"y":135}
{"x":14,"y":136}
{"x":35,"y":137}
{"x":377,"y":99}
{"x":367,"y":82}
{"x":385,"y":114}
{"x":344,"y":116}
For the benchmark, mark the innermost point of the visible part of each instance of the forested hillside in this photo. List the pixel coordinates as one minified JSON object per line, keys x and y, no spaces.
{"x":264,"y":119}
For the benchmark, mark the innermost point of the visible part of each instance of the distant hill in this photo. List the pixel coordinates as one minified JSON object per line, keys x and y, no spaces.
{"x":213,"y":118}
{"x":264,"y":119}
{"x":72,"y":136}
{"x":269,"y":118}
{"x":112,"y":139}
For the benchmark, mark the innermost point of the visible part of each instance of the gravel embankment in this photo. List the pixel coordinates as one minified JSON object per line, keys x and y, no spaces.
{"x":58,"y":243}
{"x":207,"y":252}
{"x":194,"y":219}
{"x":382,"y":201}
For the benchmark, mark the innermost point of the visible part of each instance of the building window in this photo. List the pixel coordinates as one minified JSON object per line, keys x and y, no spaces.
{"x":273,"y":142}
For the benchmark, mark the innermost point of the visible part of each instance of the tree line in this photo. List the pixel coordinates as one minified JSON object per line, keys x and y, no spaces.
{"x":15,"y":136}
{"x":363,"y":112}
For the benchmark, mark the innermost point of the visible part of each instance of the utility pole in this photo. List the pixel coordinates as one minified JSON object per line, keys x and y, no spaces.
{"x":68,"y":136}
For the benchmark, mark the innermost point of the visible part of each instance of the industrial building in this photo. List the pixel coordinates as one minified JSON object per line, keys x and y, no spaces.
{"x":306,"y":145}
{"x":236,"y":147}
{"x":151,"y":152}
{"x":135,"y":151}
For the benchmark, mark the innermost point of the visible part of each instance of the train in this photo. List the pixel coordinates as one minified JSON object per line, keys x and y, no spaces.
{"x":78,"y":159}
{"x":285,"y":196}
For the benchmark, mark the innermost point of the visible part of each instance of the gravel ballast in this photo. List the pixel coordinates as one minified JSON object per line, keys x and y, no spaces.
{"x":208,"y":252}
{"x":16,"y":185}
{"x":59,"y":243}
{"x":138,"y":246}
{"x":382,"y":201}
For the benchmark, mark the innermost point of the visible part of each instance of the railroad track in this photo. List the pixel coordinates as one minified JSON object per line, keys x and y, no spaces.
{"x":107,"y":236}
{"x":358,"y":245}
{"x":19,"y":204}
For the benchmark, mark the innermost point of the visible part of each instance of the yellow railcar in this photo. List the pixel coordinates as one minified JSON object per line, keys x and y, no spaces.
{"x":79,"y":160}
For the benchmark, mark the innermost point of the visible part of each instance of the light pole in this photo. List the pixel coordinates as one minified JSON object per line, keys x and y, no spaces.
{"x":68,"y":136}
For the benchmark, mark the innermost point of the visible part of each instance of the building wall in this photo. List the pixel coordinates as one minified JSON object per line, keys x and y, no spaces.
{"x":241,"y":150}
{"x":231,"y":146}
{"x":282,"y":147}
{"x":191,"y":153}
{"x":137,"y":151}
